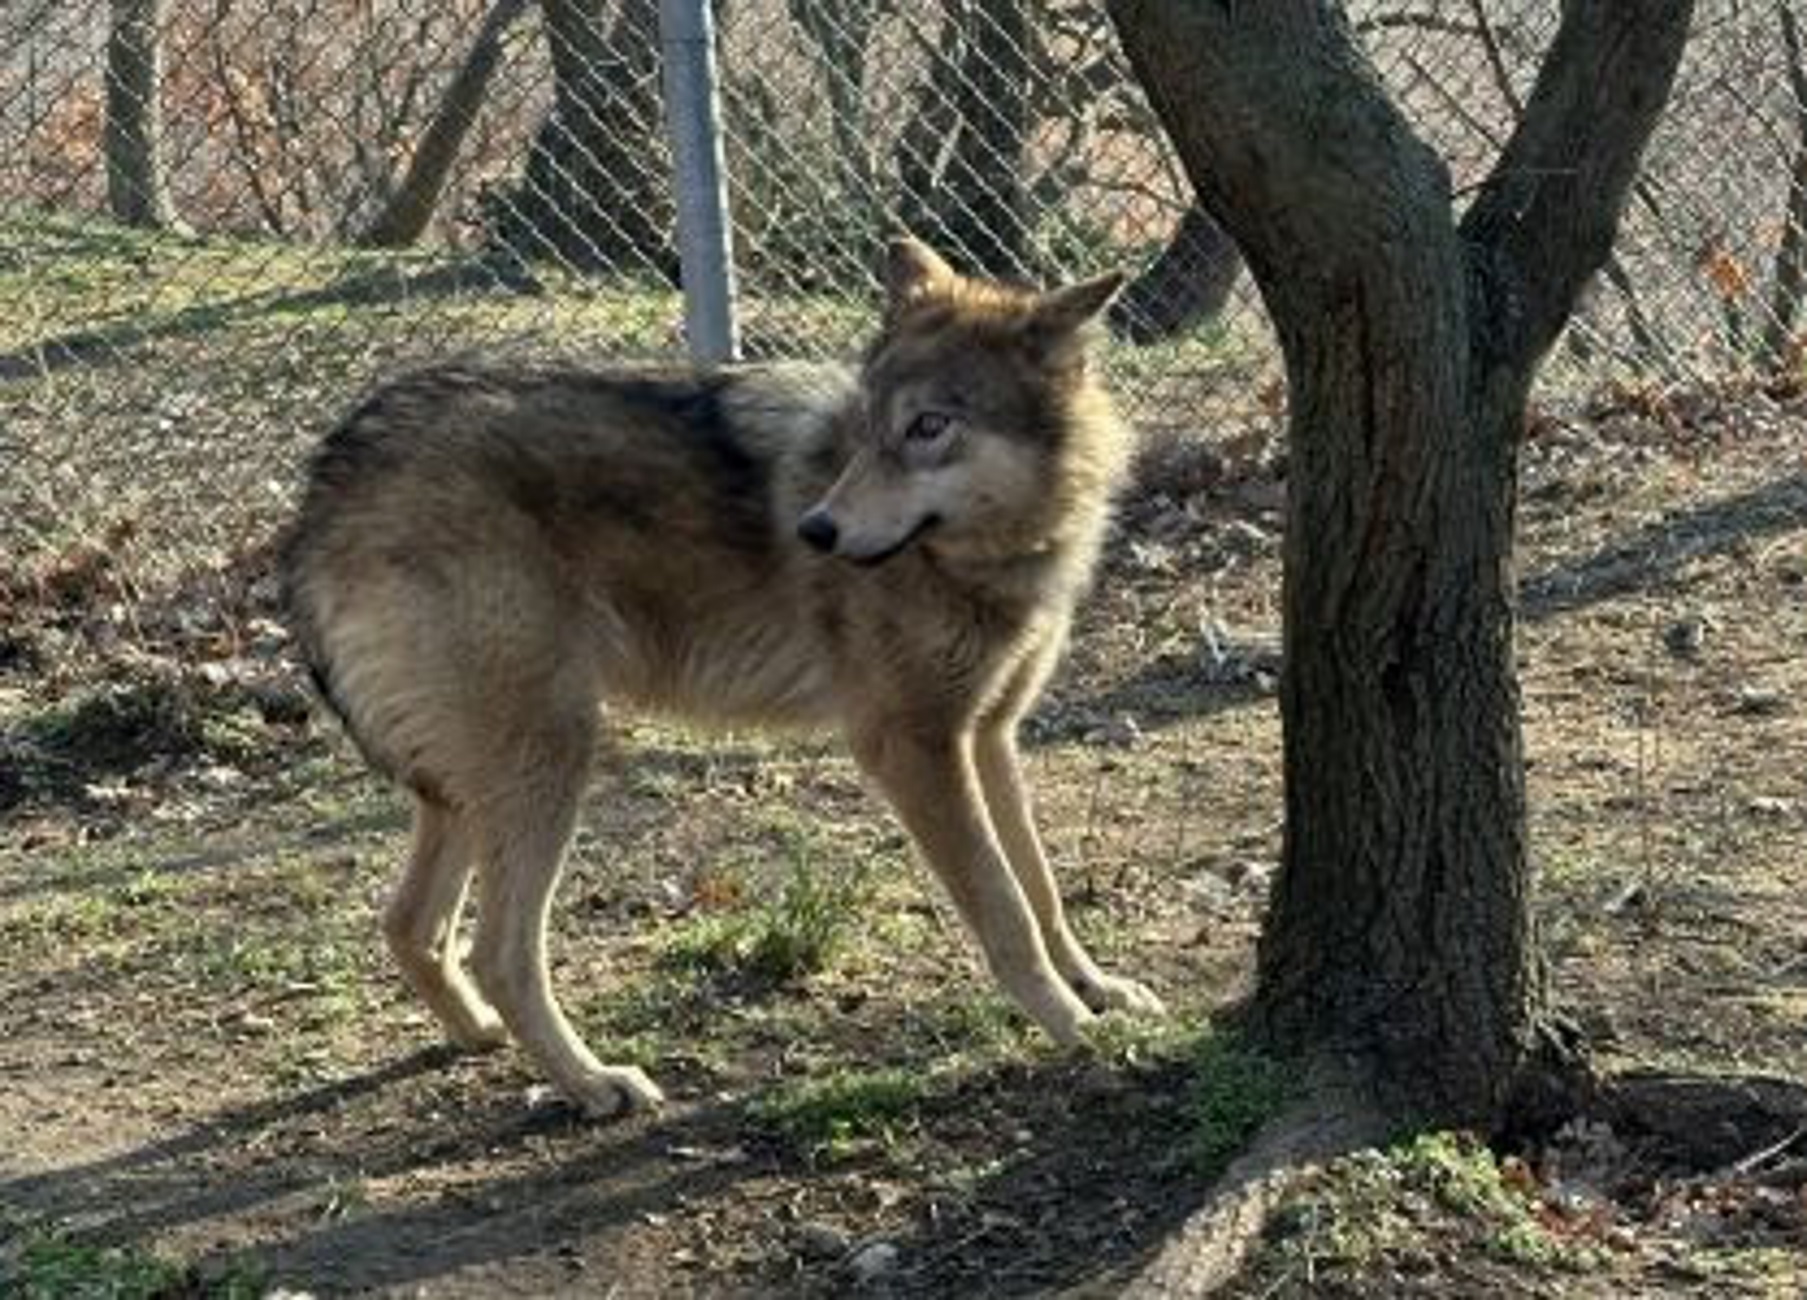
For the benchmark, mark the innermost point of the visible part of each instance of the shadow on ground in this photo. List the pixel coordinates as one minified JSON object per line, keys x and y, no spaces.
{"x":1652,"y":553}
{"x":1094,"y":1172}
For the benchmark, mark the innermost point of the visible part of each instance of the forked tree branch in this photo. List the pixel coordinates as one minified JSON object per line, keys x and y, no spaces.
{"x":1290,"y":141}
{"x":1547,"y":214}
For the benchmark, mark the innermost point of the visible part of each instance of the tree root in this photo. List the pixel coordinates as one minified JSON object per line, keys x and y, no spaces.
{"x":1747,"y":1126}
{"x":1707,"y":1122}
{"x":1214,"y":1243}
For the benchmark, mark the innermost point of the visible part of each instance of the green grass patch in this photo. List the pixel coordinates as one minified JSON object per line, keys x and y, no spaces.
{"x":1375,"y":1214}
{"x":803,"y":924}
{"x":845,"y":1113}
{"x":653,"y":1018}
{"x":51,"y":1266}
{"x":74,"y":277}
{"x":1236,"y":1091}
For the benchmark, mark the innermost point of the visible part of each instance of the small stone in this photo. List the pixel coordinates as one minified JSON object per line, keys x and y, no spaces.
{"x":266,"y":635}
{"x":1759,"y":702}
{"x":1121,"y":732}
{"x":251,"y":1022}
{"x":1769,"y":805}
{"x":1240,"y":537}
{"x":110,"y":793}
{"x":218,"y":776}
{"x":874,"y":1261}
{"x":1209,"y":890}
{"x":1632,"y":898}
{"x":1687,"y":636}
{"x":1245,"y":875}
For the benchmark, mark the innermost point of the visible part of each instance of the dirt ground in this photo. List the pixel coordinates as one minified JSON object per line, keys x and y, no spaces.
{"x":211,"y":1081}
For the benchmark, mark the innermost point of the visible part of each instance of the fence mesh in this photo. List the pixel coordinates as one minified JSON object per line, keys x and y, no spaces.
{"x":220,"y":218}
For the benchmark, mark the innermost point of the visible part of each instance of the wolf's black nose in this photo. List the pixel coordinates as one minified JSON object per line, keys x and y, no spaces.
{"x":818,"y":529}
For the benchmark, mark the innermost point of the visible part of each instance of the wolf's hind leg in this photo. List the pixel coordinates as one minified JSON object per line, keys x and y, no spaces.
{"x":421,"y":923}
{"x":1007,"y":797}
{"x":932,"y":785}
{"x":522,"y":835}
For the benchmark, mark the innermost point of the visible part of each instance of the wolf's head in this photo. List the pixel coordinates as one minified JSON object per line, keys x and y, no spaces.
{"x":985,"y":430}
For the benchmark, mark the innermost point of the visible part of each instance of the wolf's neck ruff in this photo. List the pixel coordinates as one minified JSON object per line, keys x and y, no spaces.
{"x":485,"y":554}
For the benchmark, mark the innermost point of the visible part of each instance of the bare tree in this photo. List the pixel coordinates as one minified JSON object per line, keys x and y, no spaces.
{"x":963,"y":159}
{"x":137,"y":192}
{"x":1791,"y":255}
{"x":1398,"y":963}
{"x":404,"y":217}
{"x":595,"y":195}
{"x":1399,"y":946}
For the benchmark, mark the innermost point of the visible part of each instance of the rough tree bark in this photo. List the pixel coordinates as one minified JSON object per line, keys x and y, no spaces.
{"x":1400,"y":935}
{"x":137,"y":193}
{"x":404,"y":217}
{"x":596,"y":195}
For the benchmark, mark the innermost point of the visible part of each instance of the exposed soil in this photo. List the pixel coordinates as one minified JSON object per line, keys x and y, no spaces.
{"x":205,"y":1053}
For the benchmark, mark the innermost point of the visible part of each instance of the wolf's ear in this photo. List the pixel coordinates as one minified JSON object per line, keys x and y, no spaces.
{"x":1061,"y":312}
{"x":913,"y":270}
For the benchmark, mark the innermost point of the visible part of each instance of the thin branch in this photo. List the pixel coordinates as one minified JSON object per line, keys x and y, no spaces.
{"x":405,"y":216}
{"x":249,"y":154}
{"x":1490,"y":45}
{"x":1417,"y":22}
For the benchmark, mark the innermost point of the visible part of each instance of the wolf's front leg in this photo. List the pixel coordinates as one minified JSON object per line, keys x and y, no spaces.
{"x":932,"y":783}
{"x":1007,"y":797}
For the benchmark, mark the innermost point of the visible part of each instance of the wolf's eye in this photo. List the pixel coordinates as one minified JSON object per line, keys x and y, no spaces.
{"x":928,"y":426}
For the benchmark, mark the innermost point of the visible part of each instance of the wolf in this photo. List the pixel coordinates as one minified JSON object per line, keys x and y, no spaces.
{"x":487,"y":558}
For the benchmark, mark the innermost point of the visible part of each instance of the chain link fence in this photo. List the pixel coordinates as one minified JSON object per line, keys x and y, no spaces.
{"x":220,"y":218}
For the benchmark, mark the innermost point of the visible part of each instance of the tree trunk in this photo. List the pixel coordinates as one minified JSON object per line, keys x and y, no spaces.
{"x":1186,"y":286}
{"x":1400,"y":932}
{"x":596,"y":195}
{"x":1779,"y":347}
{"x":841,"y":33}
{"x":1400,"y":923}
{"x":133,"y":137}
{"x":965,"y":168}
{"x":404,"y":217}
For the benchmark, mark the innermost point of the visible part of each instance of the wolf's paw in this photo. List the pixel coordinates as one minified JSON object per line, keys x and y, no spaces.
{"x":480,"y":1032}
{"x":1058,"y":1012}
{"x":1103,"y":992}
{"x":615,"y":1091}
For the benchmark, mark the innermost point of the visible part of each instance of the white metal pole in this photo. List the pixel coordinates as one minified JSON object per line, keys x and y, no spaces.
{"x":693,"y":122}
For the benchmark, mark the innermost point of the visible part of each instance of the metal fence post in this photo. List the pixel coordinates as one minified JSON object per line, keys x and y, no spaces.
{"x":693,"y":122}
